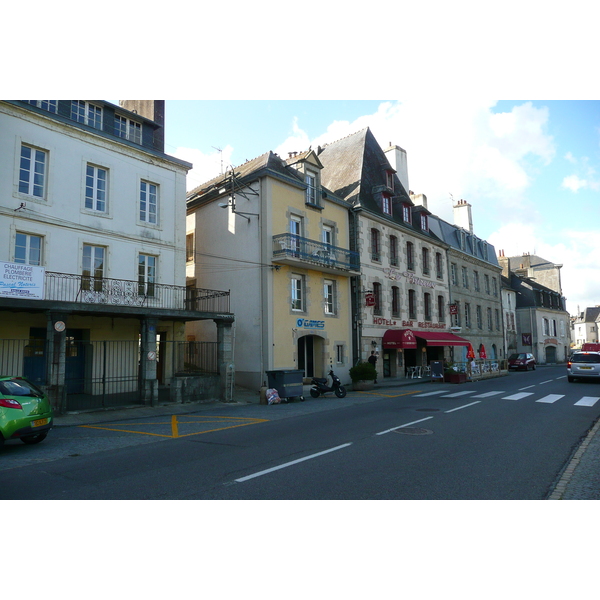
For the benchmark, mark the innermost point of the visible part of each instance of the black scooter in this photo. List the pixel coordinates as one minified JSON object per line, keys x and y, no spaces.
{"x":320,"y":386}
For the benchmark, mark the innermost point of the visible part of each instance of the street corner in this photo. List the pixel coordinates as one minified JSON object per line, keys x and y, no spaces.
{"x":177,"y":426}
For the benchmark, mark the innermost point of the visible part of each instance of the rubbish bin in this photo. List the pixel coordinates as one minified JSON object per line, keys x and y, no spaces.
{"x":287,"y":382}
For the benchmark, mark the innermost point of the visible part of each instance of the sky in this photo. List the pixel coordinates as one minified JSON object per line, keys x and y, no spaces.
{"x":529,"y":168}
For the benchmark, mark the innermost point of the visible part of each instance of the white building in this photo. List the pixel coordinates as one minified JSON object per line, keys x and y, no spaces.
{"x":93,"y":210}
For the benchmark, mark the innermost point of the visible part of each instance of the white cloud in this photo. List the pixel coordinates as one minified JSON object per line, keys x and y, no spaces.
{"x":573,"y":183}
{"x":206,"y":166}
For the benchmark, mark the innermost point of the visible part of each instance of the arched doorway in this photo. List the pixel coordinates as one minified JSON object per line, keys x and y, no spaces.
{"x":310,"y":355}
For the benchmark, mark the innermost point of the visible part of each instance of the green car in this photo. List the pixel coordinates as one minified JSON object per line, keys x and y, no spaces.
{"x":25,"y":411}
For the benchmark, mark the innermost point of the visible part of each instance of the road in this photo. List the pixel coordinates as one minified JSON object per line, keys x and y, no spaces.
{"x":505,"y":438}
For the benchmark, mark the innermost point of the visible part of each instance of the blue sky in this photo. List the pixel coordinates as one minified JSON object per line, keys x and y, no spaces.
{"x":530,"y":169}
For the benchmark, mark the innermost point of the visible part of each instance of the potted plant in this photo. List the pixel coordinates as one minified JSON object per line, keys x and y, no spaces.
{"x":451,"y":375}
{"x":361,"y":374}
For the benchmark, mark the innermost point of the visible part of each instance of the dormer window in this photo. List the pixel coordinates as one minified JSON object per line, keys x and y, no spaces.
{"x":310,"y":178}
{"x":84,"y":112}
{"x":389,"y":180}
{"x":128,"y":129}
{"x":424,"y":223}
{"x":387,"y":204}
{"x":406,"y":213}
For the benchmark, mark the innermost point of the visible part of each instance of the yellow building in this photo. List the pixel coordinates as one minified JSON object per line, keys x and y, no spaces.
{"x":271,"y":234}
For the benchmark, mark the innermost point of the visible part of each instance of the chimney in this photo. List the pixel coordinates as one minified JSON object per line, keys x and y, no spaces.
{"x":418,"y":199}
{"x":462,"y":215}
{"x":153,"y":110}
{"x":397,"y":158}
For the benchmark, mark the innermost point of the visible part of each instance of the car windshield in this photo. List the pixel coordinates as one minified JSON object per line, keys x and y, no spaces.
{"x":19,"y":387}
{"x":516,"y":356}
{"x":585,"y":358}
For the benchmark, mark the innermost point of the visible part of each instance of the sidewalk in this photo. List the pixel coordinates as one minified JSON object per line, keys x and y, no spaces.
{"x":580,"y":479}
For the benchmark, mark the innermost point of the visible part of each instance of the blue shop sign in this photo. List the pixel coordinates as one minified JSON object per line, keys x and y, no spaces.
{"x":308,"y":324}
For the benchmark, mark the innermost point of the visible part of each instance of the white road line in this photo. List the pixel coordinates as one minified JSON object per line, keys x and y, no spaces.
{"x":527,"y":388}
{"x":587,"y":401}
{"x":488,"y":394}
{"x":550,"y":398}
{"x":457,"y":394}
{"x":465,"y":406}
{"x":294,"y":462}
{"x":518,"y":396}
{"x":543,"y":382}
{"x":431,"y":393}
{"x":405,"y":425}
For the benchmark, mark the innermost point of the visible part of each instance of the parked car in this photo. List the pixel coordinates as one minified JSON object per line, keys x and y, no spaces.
{"x":25,"y":411}
{"x":583,"y":365}
{"x":521,"y":361}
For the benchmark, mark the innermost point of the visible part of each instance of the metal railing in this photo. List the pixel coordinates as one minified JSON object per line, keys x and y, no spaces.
{"x":65,"y":287}
{"x":289,"y":245}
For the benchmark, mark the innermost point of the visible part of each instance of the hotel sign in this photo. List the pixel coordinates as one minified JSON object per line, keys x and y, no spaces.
{"x":21,"y":281}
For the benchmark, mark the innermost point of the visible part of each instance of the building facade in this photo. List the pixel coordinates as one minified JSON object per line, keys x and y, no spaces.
{"x":91,"y":238}
{"x":272,"y":234}
{"x":585,"y":327}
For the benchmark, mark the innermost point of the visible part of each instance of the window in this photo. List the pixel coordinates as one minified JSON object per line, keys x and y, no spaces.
{"x":49,"y":105}
{"x":128,"y":129}
{"x":424,"y":223}
{"x":393,"y":250}
{"x":395,"y":301}
{"x":453,"y":274}
{"x":189,"y":247}
{"x":554,"y":327}
{"x":298,"y":292}
{"x":95,"y":188}
{"x":439,"y":273}
{"x":465,"y":278}
{"x":425,"y":258}
{"x":311,"y":191}
{"x":497,"y":319}
{"x":146,"y":274}
{"x":377,"y":295}
{"x":92,"y":268}
{"x":148,"y":202}
{"x":327,"y":235}
{"x":339,"y":353}
{"x":410,"y":256}
{"x":486,"y":282}
{"x":296,"y":233}
{"x":427,"y":303}
{"x":406,"y":213}
{"x":476,"y":280}
{"x":467,"y":314}
{"x":389,"y":179}
{"x":479,"y":317}
{"x":32,"y":171}
{"x":387,"y":204}
{"x":28,"y":249}
{"x":375,"y":245}
{"x":84,"y":112}
{"x":490,"y":324}
{"x":441,"y":312}
{"x":455,"y":318}
{"x":329,"y":296}
{"x":546,"y":324}
{"x":494,"y":286}
{"x":412,"y":304}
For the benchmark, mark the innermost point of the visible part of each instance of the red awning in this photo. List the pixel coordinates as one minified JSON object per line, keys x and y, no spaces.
{"x":441,"y":338}
{"x":399,"y":338}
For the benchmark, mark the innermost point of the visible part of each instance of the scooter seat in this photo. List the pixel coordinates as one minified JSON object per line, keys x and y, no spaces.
{"x":319,"y":380}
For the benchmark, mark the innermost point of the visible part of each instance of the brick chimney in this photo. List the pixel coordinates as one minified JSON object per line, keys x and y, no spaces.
{"x":153,"y":110}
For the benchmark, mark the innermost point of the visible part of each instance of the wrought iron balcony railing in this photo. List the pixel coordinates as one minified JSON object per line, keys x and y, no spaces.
{"x":64,"y":287}
{"x":291,"y":246}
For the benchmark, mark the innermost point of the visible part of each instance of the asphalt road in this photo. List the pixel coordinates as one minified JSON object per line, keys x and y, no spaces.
{"x":505,"y":438}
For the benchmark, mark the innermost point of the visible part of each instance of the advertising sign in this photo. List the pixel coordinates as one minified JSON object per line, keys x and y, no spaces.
{"x":21,"y":281}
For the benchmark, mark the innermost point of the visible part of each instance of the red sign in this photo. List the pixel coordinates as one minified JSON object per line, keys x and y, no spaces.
{"x":370,"y":300}
{"x":453,"y":309}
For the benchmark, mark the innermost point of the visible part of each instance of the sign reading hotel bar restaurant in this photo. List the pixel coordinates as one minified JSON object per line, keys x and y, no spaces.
{"x":21,"y":281}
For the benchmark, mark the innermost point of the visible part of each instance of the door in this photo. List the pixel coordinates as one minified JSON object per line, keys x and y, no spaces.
{"x":306,"y":355}
{"x":75,"y":356}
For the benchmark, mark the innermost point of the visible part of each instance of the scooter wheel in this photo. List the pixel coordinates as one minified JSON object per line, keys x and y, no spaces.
{"x":340,"y":392}
{"x":314,"y":393}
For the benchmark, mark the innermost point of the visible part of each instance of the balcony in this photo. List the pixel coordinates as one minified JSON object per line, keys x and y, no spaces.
{"x":295,"y":250}
{"x":97,"y":294}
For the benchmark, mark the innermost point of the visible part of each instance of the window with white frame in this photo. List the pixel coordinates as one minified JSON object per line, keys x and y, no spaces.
{"x":310,"y":179}
{"x":497,"y":319}
{"x":329,"y":296}
{"x":441,"y":311}
{"x":479,"y":317}
{"x":49,"y":105}
{"x":375,"y":245}
{"x":148,"y":202}
{"x":32,"y":171}
{"x":467,"y":315}
{"x":95,"y":188}
{"x":406,"y":213}
{"x":546,"y":326}
{"x":486,"y":281}
{"x":393,"y":250}
{"x":146,"y":275}
{"x":424,"y":223}
{"x":28,"y":249}
{"x":189,"y":247}
{"x":296,"y":233}
{"x":128,"y":129}
{"x":494,"y":286}
{"x":453,"y":274}
{"x":339,"y":354}
{"x":465,"y":278}
{"x":439,"y":272}
{"x":387,"y":204}
{"x":93,"y":267}
{"x":297,"y":282}
{"x":476,"y":280}
{"x":389,"y":179}
{"x":327,"y":235}
{"x":84,"y":112}
{"x":489,"y":319}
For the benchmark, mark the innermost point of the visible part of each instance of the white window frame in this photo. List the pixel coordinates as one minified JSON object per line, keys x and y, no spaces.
{"x":96,"y":188}
{"x":311,"y":180}
{"x":327,"y":235}
{"x":339,"y":354}
{"x":86,"y":113}
{"x":49,"y":105}
{"x":329,"y":296}
{"x":147,"y":265}
{"x":127,"y":129}
{"x":94,"y":265}
{"x":29,"y":249}
{"x":297,"y":292}
{"x":387,"y":204}
{"x":148,"y":202}
{"x":34,"y":184}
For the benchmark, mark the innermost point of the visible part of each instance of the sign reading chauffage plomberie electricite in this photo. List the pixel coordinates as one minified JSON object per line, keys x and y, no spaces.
{"x":21,"y":281}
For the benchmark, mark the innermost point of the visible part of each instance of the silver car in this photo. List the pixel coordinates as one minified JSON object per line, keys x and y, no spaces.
{"x":584,"y":365}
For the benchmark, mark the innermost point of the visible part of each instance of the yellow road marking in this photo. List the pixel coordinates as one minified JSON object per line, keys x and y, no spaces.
{"x":174,"y":428}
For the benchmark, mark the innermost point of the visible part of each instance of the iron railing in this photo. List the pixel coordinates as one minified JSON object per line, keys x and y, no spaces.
{"x":289,"y":245}
{"x":64,"y":287}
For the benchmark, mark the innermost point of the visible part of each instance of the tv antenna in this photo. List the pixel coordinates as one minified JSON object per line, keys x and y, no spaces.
{"x":221,"y":153}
